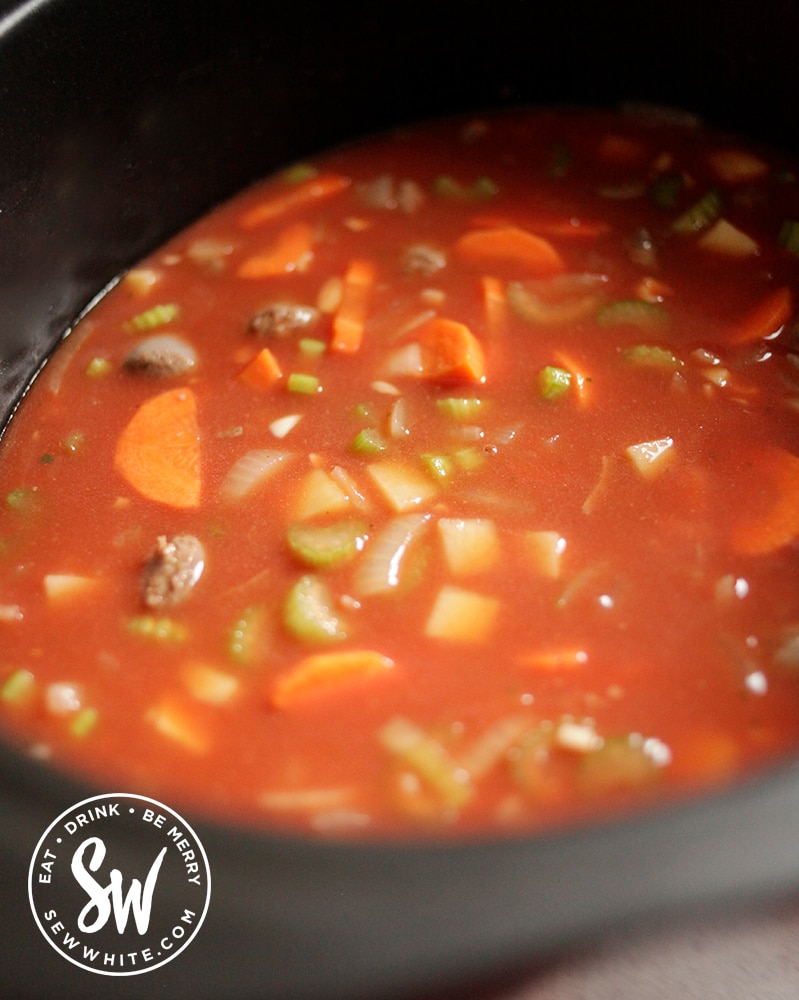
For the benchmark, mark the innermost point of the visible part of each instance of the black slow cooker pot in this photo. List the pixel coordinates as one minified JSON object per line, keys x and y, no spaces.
{"x":122,"y":122}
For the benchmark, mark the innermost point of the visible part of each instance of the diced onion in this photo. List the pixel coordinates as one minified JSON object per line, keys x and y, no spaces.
{"x":380,"y":569}
{"x":250,"y":471}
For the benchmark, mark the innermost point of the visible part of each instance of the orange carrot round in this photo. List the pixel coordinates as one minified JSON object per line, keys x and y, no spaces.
{"x":510,"y":244}
{"x":158,"y":452}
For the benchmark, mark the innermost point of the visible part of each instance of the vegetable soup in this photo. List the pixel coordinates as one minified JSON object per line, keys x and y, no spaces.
{"x":445,"y":482}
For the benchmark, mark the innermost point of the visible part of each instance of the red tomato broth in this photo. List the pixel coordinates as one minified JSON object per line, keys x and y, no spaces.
{"x":653,"y":627}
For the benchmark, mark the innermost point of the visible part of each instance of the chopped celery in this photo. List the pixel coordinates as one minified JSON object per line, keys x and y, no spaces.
{"x":299,"y":172}
{"x":634,"y":312}
{"x":22,"y":500}
{"x":309,"y":615}
{"x":429,"y":759}
{"x":459,"y":408}
{"x":156,"y":627}
{"x":324,"y":545}
{"x":247,"y":635}
{"x":699,"y":215}
{"x":83,"y":722}
{"x":666,"y":189}
{"x":789,"y":235}
{"x":158,"y":315}
{"x":310,"y":347}
{"x":652,"y":356}
{"x":554,"y":382}
{"x":448,"y":187}
{"x":303,"y":384}
{"x":369,"y":441}
{"x":440,"y":467}
{"x":18,"y":687}
{"x":46,"y":459}
{"x":98,"y":367}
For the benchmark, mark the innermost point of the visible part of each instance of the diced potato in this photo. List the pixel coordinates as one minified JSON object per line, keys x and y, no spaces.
{"x":403,"y":488}
{"x":545,"y":550}
{"x":471,"y":545}
{"x":140,"y":281}
{"x":206,"y":683}
{"x":319,"y":494}
{"x":734,"y":165}
{"x":723,"y":237}
{"x":462,"y":616}
{"x":66,"y":586}
{"x":650,"y":458}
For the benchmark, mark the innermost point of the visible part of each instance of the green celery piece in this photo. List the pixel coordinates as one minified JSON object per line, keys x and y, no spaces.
{"x":700,"y":215}
{"x":429,"y":759}
{"x":460,"y":408}
{"x":156,"y":627}
{"x":440,"y":467}
{"x":369,"y":441}
{"x":324,"y":545}
{"x":554,"y":382}
{"x":634,"y":312}
{"x":83,"y":723}
{"x":309,"y":615}
{"x":789,"y":235}
{"x":17,"y":687}
{"x":652,"y":356}
{"x":303,"y":384}
{"x":666,"y":189}
{"x":158,"y":315}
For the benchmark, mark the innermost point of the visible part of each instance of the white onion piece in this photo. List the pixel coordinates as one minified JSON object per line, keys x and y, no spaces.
{"x":406,"y":360}
{"x":250,"y":471}
{"x":381,"y":564}
{"x":398,"y":420}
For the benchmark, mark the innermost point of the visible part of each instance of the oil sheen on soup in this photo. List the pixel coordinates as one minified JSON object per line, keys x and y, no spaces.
{"x":447,"y":482}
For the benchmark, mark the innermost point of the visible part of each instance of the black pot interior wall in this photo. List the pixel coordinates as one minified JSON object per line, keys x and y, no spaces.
{"x":121,"y":122}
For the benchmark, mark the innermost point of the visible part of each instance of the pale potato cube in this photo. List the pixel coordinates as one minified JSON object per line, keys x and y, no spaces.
{"x":650,"y":458}
{"x":208,"y":684}
{"x":544,"y":550}
{"x":319,"y":494}
{"x":471,"y":545}
{"x":462,"y":616}
{"x":724,"y":237}
{"x":402,"y":487}
{"x":67,"y":586}
{"x":736,"y":165}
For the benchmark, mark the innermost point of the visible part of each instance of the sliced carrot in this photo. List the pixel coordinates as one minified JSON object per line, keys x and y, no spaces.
{"x":581,"y":383}
{"x":350,"y":317}
{"x":292,"y":251}
{"x":766,"y":319}
{"x":770,"y":502}
{"x":450,"y":352}
{"x":511,"y":245}
{"x":158,"y":453}
{"x":496,"y":303}
{"x":325,"y":673}
{"x":262,"y":371}
{"x":554,"y":659}
{"x":295,"y":196}
{"x":545,"y":225}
